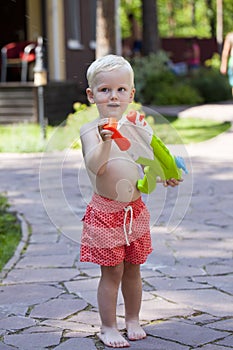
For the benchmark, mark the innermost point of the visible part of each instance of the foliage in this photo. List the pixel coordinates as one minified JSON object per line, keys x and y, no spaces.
{"x":227,"y":16}
{"x":212,"y":85}
{"x":144,"y":67}
{"x":181,"y":18}
{"x":10,"y":232}
{"x":157,"y":84}
{"x":176,"y":94}
{"x":214,"y":62}
{"x":127,"y":8}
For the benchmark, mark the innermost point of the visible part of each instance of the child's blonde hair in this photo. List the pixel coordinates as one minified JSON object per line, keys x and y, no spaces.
{"x":106,"y":64}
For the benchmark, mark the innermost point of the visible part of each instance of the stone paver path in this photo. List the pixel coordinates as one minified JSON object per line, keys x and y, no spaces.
{"x":48,"y":298}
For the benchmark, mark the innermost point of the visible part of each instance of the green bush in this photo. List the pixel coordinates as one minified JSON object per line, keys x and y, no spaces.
{"x":214,"y":62}
{"x":156,"y":84}
{"x":144,"y":68}
{"x":211,"y":84}
{"x":177,"y":94}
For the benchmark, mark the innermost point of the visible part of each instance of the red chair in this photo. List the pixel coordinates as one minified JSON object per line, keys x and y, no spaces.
{"x":17,"y":55}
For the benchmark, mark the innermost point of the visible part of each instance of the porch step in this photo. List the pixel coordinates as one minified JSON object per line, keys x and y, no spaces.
{"x":19,"y":102}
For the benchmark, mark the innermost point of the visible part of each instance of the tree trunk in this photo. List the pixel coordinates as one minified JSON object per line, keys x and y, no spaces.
{"x":107,"y":28}
{"x":150,"y":43}
{"x":211,"y":18}
{"x":219,"y":27}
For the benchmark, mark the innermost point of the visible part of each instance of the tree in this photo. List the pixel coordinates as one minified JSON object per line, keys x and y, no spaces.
{"x":219,"y":27}
{"x":150,"y":42}
{"x":107,"y":28}
{"x":190,"y":18}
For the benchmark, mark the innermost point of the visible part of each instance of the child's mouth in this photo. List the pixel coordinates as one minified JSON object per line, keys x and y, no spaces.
{"x":113,"y":105}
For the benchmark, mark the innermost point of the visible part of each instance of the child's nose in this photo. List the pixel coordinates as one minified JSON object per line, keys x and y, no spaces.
{"x":114,"y":94}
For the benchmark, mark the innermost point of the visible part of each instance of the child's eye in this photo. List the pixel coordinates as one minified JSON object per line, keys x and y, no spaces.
{"x":104,"y":89}
{"x":121,"y":89}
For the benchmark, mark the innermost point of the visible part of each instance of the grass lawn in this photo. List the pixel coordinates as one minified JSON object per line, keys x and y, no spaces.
{"x":10,"y":232}
{"x":27,"y":138}
{"x":190,"y":130}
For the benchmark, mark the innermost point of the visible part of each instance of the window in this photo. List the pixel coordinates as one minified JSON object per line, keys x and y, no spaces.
{"x":73,"y":25}
{"x":93,"y":5}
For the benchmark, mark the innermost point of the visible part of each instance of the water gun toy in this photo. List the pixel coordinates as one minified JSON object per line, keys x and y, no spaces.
{"x":164,"y":165}
{"x":122,"y":142}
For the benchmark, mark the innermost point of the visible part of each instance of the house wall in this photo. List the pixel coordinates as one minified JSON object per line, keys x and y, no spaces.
{"x":64,"y":61}
{"x":177,"y":47}
{"x":78,"y":59}
{"x":33,"y":19}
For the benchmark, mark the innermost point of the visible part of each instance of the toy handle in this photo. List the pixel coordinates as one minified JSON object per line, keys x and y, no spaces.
{"x":148,"y":183}
{"x":122,"y":142}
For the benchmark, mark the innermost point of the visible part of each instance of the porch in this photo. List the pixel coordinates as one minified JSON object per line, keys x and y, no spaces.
{"x":19,"y":101}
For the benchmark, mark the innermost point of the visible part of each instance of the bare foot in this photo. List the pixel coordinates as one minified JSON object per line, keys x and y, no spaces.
{"x":135,"y":331}
{"x":112,"y":337}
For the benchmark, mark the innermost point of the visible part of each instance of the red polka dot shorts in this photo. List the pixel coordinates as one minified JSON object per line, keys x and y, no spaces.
{"x":115,"y":231}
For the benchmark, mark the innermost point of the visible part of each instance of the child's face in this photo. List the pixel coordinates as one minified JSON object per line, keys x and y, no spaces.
{"x":112,"y":92}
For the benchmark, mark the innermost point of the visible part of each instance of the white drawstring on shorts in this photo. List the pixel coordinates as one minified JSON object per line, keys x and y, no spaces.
{"x":127,"y":209}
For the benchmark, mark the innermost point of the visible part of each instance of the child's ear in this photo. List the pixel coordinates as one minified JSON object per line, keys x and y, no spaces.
{"x":90,"y":95}
{"x":132,"y":94}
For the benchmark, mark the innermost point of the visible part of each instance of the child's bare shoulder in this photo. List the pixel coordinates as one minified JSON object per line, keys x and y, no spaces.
{"x":88,"y":127}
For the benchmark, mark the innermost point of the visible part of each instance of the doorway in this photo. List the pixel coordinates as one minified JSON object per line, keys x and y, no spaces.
{"x":12,"y":21}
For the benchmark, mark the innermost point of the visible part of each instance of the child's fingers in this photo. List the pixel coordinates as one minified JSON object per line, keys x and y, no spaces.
{"x":105,"y":134}
{"x":172,"y":182}
{"x":101,"y":124}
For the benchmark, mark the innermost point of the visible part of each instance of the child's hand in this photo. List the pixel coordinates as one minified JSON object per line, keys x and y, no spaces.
{"x":108,"y":130}
{"x":172,"y":182}
{"x":104,"y":133}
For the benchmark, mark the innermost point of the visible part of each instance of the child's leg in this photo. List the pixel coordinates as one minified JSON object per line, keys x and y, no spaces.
{"x":132,"y":292}
{"x":107,"y":300}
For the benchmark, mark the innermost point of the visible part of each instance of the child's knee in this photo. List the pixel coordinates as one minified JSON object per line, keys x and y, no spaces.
{"x":131,"y":270}
{"x":113,"y":272}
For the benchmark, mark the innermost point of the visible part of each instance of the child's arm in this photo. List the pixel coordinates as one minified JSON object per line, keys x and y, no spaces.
{"x":225,"y":54}
{"x":95,"y":149}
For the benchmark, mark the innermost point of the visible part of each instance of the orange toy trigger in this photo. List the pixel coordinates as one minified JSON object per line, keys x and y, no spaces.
{"x":122,"y":142}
